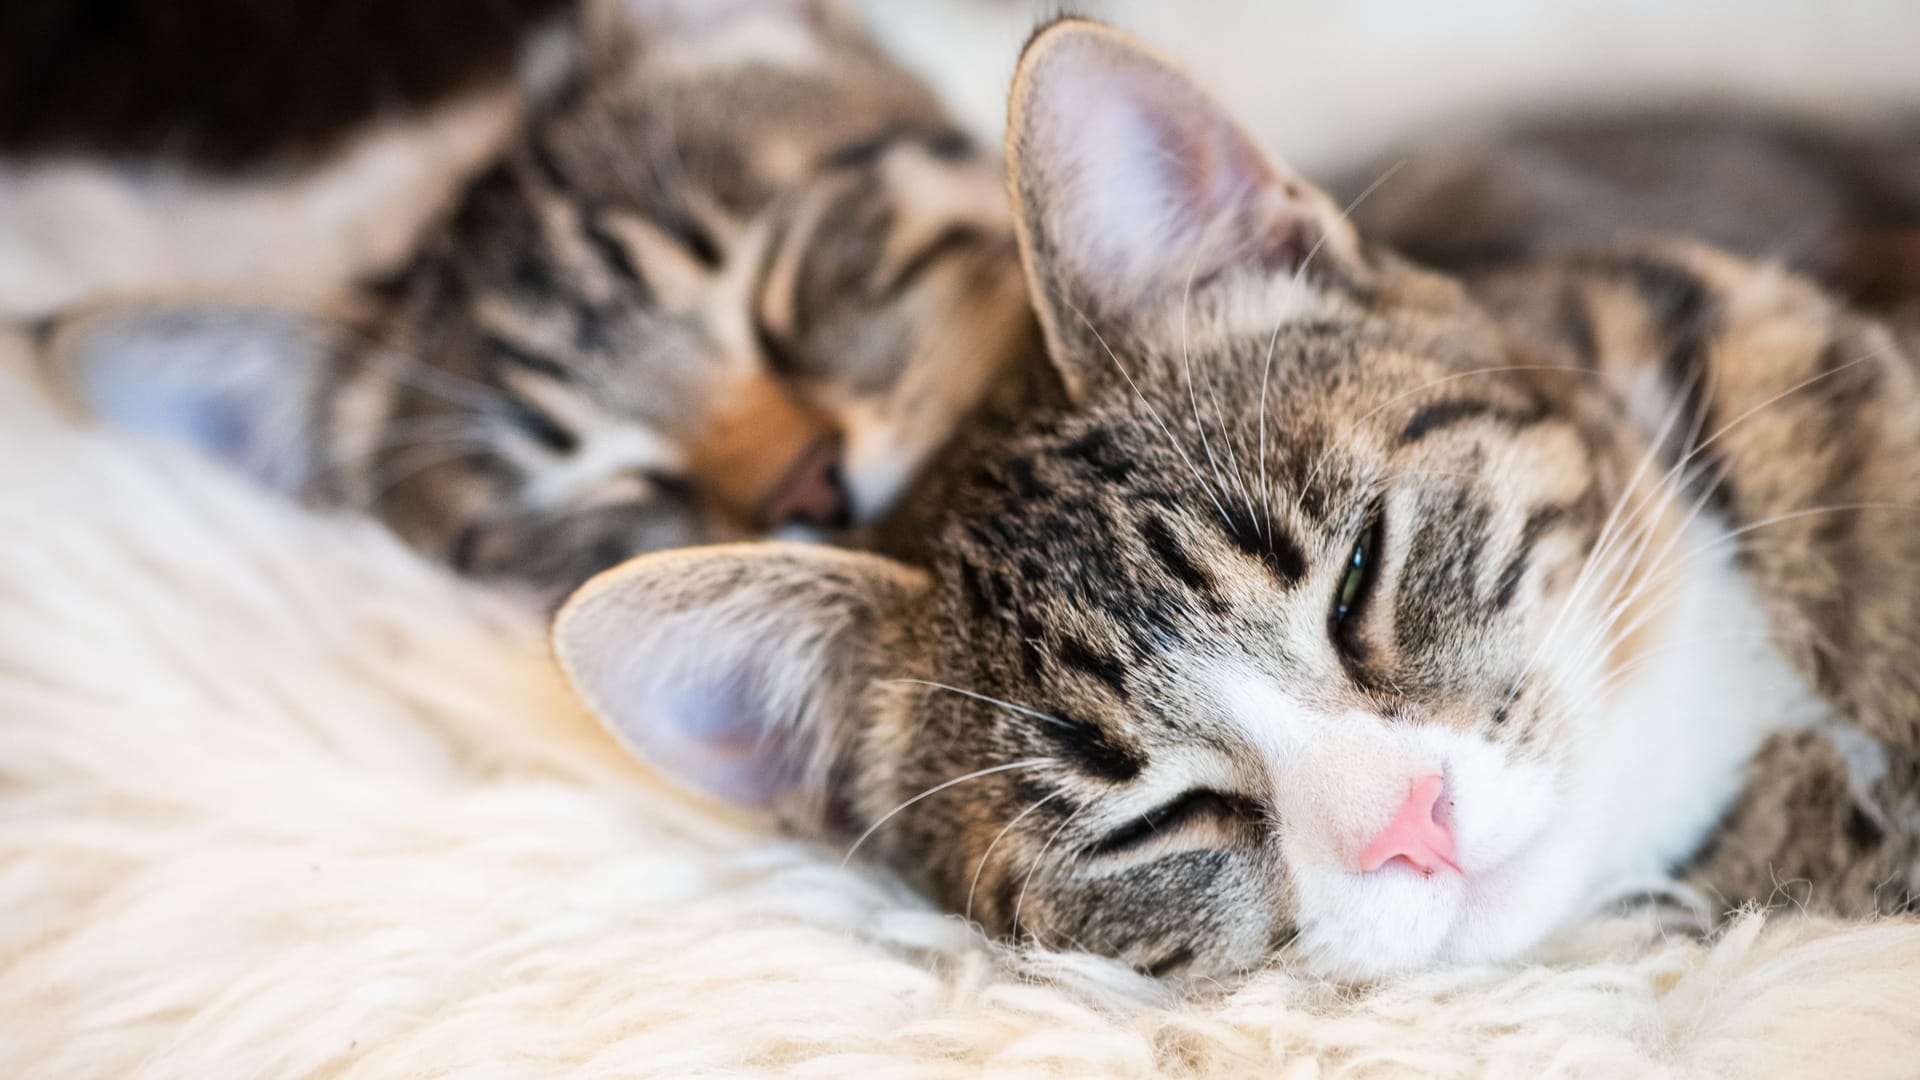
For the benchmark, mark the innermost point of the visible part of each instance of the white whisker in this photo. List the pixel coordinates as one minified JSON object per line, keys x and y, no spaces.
{"x":1029,"y":763}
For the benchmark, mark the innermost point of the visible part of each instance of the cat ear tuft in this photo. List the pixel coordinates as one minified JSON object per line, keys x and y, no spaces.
{"x":736,"y":669}
{"x":1132,"y":184}
{"x":239,"y":383}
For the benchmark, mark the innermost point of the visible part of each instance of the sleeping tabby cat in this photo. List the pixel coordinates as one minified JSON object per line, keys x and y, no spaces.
{"x":741,"y":273}
{"x":1345,"y":612}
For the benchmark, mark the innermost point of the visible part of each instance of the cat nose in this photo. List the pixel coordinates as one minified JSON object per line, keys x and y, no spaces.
{"x":1416,"y":833}
{"x":811,"y":492}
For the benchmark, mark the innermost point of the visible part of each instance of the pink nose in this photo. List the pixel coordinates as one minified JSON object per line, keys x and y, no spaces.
{"x":1415,"y":833}
{"x":812,"y":492}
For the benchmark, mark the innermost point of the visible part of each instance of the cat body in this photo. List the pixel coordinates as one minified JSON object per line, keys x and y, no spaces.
{"x":1341,"y":611}
{"x":738,"y":273}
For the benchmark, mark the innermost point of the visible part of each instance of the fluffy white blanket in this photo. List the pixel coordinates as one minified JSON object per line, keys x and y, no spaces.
{"x":279,"y":800}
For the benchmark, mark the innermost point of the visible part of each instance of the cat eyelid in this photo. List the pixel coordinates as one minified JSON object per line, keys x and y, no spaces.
{"x":540,"y":426}
{"x":1176,"y":816}
{"x":1347,"y":614}
{"x":951,"y":240}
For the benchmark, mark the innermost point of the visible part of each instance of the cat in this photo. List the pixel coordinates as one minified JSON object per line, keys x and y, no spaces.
{"x":740,"y":274}
{"x":1345,"y":614}
{"x":1839,"y":201}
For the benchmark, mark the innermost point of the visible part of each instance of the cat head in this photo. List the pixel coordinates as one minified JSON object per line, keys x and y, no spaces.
{"x":741,"y":273}
{"x":1272,"y":640}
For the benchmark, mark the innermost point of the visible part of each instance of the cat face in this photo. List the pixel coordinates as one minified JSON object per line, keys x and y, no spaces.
{"x":741,"y":275}
{"x":1276,"y":639}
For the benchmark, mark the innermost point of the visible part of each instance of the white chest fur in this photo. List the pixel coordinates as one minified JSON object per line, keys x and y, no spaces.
{"x":1712,"y":683}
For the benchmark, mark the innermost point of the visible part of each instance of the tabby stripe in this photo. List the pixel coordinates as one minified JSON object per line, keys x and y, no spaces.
{"x":692,"y":236}
{"x":547,"y":366}
{"x":1541,"y":521}
{"x":549,"y":166}
{"x":1576,"y":327}
{"x":590,"y":334}
{"x":946,"y":145}
{"x":532,"y":278}
{"x":1078,"y":656}
{"x":1268,"y":543}
{"x":1444,"y":414}
{"x":1092,"y":749}
{"x":1102,"y":456}
{"x":1167,"y":548}
{"x":612,"y":252}
{"x":951,"y":241}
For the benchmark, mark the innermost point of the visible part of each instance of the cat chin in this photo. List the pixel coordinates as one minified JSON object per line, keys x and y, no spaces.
{"x":1366,"y":926}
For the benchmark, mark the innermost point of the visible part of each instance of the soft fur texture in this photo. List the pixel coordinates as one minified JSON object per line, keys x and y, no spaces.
{"x":278,"y":799}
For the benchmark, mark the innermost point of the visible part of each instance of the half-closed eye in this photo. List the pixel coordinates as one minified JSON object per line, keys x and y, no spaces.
{"x":1189,"y":810}
{"x":952,"y":240}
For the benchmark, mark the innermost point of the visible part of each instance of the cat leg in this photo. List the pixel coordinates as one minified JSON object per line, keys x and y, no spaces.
{"x":1829,"y":822}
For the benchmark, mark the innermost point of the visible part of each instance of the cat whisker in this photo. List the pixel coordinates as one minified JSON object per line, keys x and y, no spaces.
{"x":1699,"y":446}
{"x":974,"y":885}
{"x":1155,"y":413}
{"x":404,"y":466}
{"x":1599,"y":555}
{"x":988,"y":699}
{"x":1020,"y":901}
{"x":1213,"y":393}
{"x":1029,"y":763}
{"x":425,"y":435}
{"x":1186,"y":362}
{"x":1346,"y":212}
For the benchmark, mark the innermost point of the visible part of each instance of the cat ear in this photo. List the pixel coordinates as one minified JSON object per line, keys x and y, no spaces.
{"x":736,"y":669}
{"x":1133,"y":185}
{"x":240,"y":383}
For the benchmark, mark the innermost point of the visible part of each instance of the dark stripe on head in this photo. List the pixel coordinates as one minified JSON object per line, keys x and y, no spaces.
{"x":1077,"y":655}
{"x":1539,"y":523}
{"x":590,"y":331}
{"x":1167,"y":548}
{"x":548,"y":166}
{"x":1266,"y":542}
{"x":542,"y":428}
{"x":1444,"y":414}
{"x":612,"y":253}
{"x":779,"y":356}
{"x":692,"y":236}
{"x":1093,"y":750}
{"x":532,"y":278}
{"x":978,"y":590}
{"x":500,"y":348}
{"x":1101,"y":455}
{"x":951,"y":241}
{"x":862,"y":152}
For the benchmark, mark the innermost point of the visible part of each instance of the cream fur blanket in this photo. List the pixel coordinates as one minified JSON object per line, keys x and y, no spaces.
{"x":279,"y":800}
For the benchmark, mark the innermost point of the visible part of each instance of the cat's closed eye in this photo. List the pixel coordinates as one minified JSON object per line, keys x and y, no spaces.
{"x":1220,"y":816}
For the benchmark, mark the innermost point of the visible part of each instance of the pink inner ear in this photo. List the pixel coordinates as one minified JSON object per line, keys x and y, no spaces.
{"x":718,"y":737}
{"x":1149,"y":180}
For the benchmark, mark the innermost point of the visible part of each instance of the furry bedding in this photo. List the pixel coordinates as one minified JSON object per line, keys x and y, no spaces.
{"x":278,"y":799}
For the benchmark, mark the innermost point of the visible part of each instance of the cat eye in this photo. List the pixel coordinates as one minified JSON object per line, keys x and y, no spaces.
{"x":1190,"y":808}
{"x":542,"y":428}
{"x":1357,"y":582}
